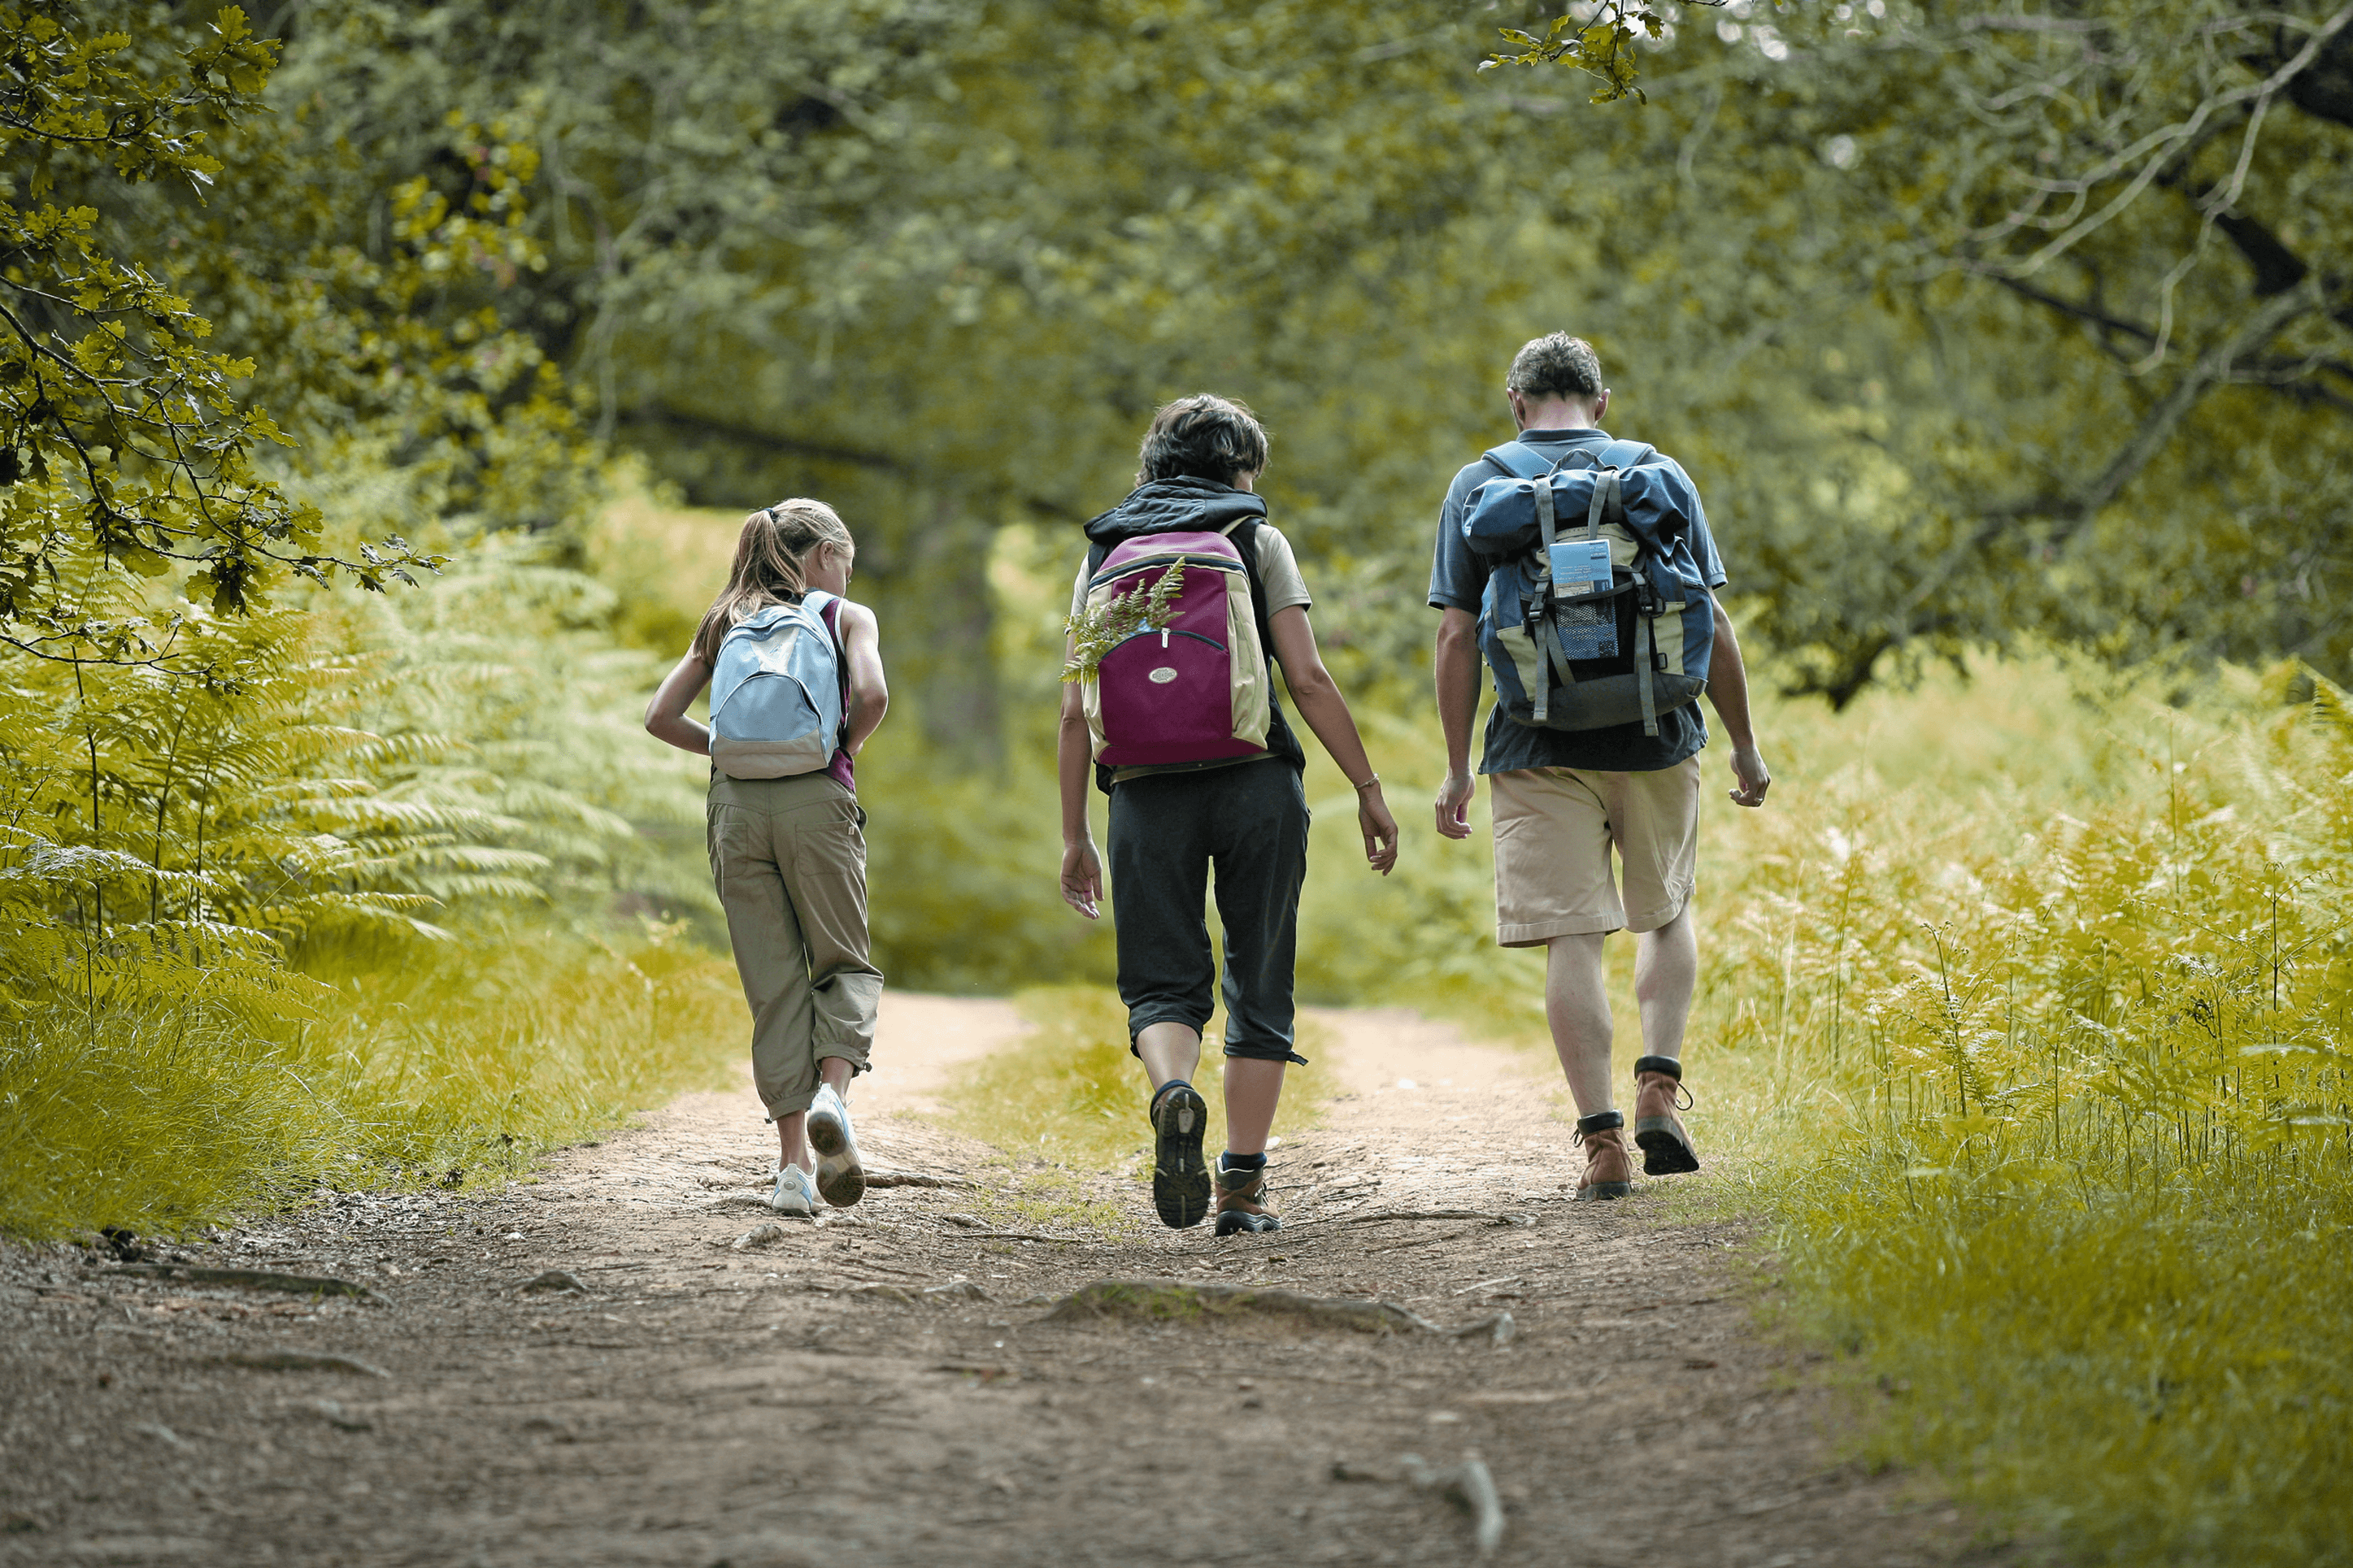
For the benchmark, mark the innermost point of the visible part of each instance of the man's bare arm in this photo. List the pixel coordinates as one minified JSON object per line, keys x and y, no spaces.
{"x":1456,"y":663}
{"x":1727,"y":688}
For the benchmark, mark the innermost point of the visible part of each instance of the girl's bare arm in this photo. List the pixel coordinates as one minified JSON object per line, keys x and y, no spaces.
{"x":666,"y":717}
{"x":869,"y":694}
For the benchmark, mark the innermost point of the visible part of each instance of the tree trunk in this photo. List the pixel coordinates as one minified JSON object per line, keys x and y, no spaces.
{"x":941,"y":634}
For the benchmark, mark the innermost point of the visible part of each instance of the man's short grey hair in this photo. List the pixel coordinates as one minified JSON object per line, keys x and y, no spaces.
{"x":1555,"y":366}
{"x":1205,"y":437}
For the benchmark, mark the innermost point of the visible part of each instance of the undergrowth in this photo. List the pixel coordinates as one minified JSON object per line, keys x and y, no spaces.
{"x":336,"y":894}
{"x":161,"y":1116}
{"x":2044,"y":1072}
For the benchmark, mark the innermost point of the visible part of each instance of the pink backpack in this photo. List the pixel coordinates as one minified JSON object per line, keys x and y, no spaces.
{"x":1197,"y":690}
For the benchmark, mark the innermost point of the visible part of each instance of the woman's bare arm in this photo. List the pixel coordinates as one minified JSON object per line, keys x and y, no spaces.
{"x":1326,"y":713}
{"x":1083,"y":878}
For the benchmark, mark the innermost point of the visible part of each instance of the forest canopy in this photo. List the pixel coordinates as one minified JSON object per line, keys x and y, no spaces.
{"x":1975,"y":323}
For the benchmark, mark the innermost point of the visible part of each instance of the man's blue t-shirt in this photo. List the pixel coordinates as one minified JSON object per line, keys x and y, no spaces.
{"x":1458,"y":580}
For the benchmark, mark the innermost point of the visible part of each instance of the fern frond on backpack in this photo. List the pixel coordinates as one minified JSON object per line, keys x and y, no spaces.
{"x":1095,"y":632}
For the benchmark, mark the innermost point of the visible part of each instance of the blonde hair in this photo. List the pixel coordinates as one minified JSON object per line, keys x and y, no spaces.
{"x":770,"y":556}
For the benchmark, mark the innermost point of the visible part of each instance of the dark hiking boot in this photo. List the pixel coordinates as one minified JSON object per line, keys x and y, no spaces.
{"x":1241,"y":1202}
{"x":1607,"y":1173}
{"x":1180,"y":1177}
{"x":1659,"y":1093}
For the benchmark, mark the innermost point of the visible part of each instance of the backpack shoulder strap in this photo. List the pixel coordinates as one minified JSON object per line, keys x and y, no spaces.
{"x":1518,"y":459}
{"x":1244,"y":537}
{"x":1625,"y":453}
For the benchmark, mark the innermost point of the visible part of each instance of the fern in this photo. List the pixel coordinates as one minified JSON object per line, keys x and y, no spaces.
{"x":1095,"y":632}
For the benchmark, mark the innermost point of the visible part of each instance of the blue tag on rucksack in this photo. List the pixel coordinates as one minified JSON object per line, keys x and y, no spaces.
{"x":1580,"y":566}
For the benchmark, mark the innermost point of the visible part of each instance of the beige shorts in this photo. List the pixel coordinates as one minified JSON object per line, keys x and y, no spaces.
{"x":1555,"y":830}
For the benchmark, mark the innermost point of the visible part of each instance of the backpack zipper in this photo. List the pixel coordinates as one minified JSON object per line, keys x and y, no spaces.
{"x":1165,"y":634}
{"x":1126,"y":568}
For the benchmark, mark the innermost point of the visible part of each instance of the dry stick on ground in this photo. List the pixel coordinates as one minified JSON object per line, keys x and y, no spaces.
{"x":1468,"y":1483}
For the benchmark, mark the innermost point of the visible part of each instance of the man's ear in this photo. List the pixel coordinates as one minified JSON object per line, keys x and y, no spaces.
{"x":1601,"y":408}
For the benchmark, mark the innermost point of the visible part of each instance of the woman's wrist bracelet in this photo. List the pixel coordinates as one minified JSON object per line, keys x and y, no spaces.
{"x":1368,"y":784}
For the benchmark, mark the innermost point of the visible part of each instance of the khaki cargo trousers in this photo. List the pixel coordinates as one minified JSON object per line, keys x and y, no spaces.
{"x":790,"y":862}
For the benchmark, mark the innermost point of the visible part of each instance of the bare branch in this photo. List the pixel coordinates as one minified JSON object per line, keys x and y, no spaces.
{"x":2075,"y":507}
{"x":2156,"y":151}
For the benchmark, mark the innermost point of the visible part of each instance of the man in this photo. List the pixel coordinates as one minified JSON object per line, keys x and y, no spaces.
{"x":1565,"y":799}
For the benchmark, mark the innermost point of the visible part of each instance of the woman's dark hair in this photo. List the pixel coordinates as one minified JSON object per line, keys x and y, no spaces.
{"x":1205,"y":437}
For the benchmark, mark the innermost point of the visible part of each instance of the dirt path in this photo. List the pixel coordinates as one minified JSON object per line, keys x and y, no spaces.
{"x":896,"y":1386}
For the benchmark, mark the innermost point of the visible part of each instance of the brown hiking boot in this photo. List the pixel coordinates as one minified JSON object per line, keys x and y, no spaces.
{"x":1666,"y":1146}
{"x":1606,"y":1173}
{"x":1242,"y":1201}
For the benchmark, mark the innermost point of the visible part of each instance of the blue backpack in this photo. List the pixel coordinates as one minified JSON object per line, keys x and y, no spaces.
{"x":776,"y":693}
{"x":1604,"y":622}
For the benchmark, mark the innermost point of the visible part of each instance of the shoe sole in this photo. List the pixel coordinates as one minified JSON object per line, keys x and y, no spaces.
{"x":1180,"y":1178}
{"x":1233,"y":1222}
{"x":1666,"y":1150}
{"x":841,"y":1179}
{"x":1604,"y":1192}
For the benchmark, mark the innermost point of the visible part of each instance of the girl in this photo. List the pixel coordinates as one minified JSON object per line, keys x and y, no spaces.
{"x":790,"y":861}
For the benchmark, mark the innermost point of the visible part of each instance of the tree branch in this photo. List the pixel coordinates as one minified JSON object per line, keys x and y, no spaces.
{"x":2074,"y":508}
{"x":768,"y":440}
{"x":2157,"y":151}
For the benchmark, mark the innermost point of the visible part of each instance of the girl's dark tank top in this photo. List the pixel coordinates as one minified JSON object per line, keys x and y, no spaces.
{"x":839,"y":770}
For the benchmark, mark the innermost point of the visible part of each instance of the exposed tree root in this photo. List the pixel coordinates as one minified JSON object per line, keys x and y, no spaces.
{"x":1521,"y":1219}
{"x":251,"y":1280}
{"x":1167,"y":1298}
{"x":301,"y":1360}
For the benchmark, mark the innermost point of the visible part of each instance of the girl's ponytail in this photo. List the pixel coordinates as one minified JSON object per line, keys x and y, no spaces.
{"x":768,"y":567}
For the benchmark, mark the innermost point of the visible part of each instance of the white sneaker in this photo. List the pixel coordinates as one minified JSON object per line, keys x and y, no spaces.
{"x":795,"y":1193}
{"x":839,"y":1176}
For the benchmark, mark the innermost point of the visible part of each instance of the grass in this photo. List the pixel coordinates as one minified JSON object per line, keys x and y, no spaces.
{"x":449,"y":1070}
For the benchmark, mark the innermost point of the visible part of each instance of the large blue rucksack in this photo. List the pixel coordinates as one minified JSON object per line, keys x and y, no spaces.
{"x":776,"y":692}
{"x":1624,"y":630}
